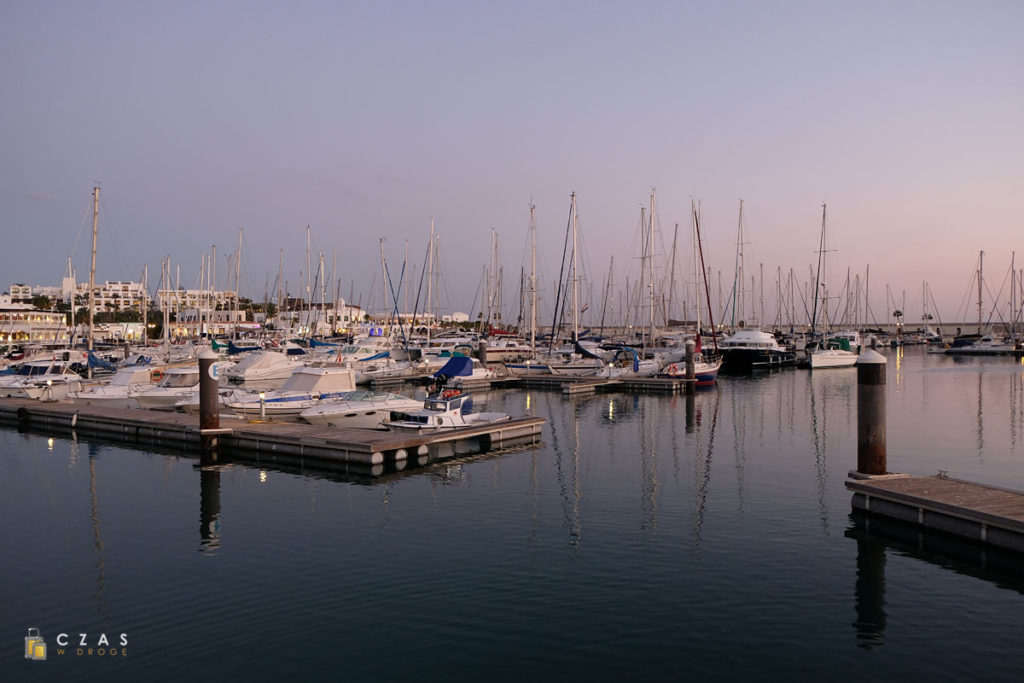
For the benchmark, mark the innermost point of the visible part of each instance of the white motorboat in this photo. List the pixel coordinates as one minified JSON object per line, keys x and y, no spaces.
{"x":450,"y":409}
{"x":175,"y":384}
{"x":358,"y":409}
{"x":982,"y":345}
{"x":306,"y":387}
{"x":266,"y":366}
{"x":831,"y":358}
{"x":48,"y":380}
{"x":120,"y":391}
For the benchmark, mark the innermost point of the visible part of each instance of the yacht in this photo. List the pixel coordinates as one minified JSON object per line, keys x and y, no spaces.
{"x":749,"y":349}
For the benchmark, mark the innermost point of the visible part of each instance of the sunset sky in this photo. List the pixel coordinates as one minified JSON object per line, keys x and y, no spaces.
{"x":363,"y":120}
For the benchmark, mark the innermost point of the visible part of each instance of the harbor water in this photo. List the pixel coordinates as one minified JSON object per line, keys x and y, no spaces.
{"x":647,"y":537}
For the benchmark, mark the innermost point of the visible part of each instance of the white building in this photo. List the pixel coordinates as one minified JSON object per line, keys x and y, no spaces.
{"x":180,"y":299}
{"x":21,"y":323}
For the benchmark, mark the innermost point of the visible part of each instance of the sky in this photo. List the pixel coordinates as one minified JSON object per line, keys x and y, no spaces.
{"x":365,"y":120}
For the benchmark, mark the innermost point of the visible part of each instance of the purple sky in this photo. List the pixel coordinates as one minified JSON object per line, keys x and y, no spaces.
{"x":364,"y":119}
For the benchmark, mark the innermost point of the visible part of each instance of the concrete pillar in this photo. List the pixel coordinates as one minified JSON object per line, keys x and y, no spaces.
{"x":209,"y":415}
{"x":871,"y":455}
{"x":209,"y":385}
{"x":691,"y":366}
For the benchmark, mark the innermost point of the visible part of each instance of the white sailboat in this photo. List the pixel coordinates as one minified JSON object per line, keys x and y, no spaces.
{"x":835,"y":350}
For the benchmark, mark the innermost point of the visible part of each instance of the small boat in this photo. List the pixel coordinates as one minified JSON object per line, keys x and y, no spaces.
{"x":831,"y":358}
{"x":705,"y":370}
{"x":120,"y":391}
{"x":45,"y":380}
{"x":174,"y":385}
{"x":460,"y":369}
{"x":836,"y":352}
{"x":306,"y":387}
{"x":982,"y":345}
{"x":358,"y":409}
{"x":444,"y":411}
{"x":626,"y":362}
{"x":267,"y":366}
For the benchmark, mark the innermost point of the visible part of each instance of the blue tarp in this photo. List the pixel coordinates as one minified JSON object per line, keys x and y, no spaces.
{"x":457,"y":366}
{"x":233,"y":348}
{"x":585,"y":353}
{"x":97,"y":362}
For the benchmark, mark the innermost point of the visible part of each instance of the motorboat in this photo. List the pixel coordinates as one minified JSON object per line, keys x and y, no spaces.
{"x":173,"y":385}
{"x":982,"y":345}
{"x":749,"y":349}
{"x":120,"y":390}
{"x":306,"y":387}
{"x":836,"y":351}
{"x":358,"y":409}
{"x":46,"y":380}
{"x":266,"y":366}
{"x":444,"y":411}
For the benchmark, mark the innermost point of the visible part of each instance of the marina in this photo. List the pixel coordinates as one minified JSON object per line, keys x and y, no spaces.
{"x":512,"y":342}
{"x":659,"y":529}
{"x":304,"y":444}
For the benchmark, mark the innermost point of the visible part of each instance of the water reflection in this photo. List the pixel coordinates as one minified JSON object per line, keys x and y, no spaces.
{"x":94,"y":517}
{"x":209,"y":509}
{"x":869,"y":591}
{"x":878,"y":536}
{"x":702,"y":467}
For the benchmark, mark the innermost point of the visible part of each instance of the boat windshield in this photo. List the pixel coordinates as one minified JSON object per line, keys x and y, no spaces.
{"x":180,"y":379}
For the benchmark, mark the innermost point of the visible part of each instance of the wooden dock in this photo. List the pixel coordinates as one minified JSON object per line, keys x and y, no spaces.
{"x":986,"y":514}
{"x":577,"y":386}
{"x":294,"y":442}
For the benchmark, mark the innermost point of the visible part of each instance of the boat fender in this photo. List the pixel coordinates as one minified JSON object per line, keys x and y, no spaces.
{"x":673,"y":369}
{"x":439,"y":421}
{"x":156,"y":376}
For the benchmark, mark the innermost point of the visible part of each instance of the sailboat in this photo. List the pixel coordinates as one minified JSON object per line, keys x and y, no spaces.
{"x":706,"y":366}
{"x":574,"y":360}
{"x":837,"y":350}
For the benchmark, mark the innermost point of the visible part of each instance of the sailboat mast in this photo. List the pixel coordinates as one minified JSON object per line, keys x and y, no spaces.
{"x":533,"y":278}
{"x":672,"y":278}
{"x":430,"y":277}
{"x":238,"y":261}
{"x":166,"y":305}
{"x":144,"y":302}
{"x":575,"y":279}
{"x":981,"y":259}
{"x":696,"y":265}
{"x":92,"y":265}
{"x":817,"y":277}
{"x":704,"y":270}
{"x":650,"y":267}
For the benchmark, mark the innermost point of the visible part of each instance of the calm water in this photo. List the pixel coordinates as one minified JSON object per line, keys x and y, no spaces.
{"x":647,"y":538}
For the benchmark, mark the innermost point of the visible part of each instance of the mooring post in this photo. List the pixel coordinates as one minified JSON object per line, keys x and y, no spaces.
{"x":691,"y":365}
{"x":871,"y":455}
{"x":209,"y":417}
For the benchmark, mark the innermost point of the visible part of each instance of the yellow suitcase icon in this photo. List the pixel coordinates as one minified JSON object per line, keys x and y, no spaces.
{"x":35,"y":646}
